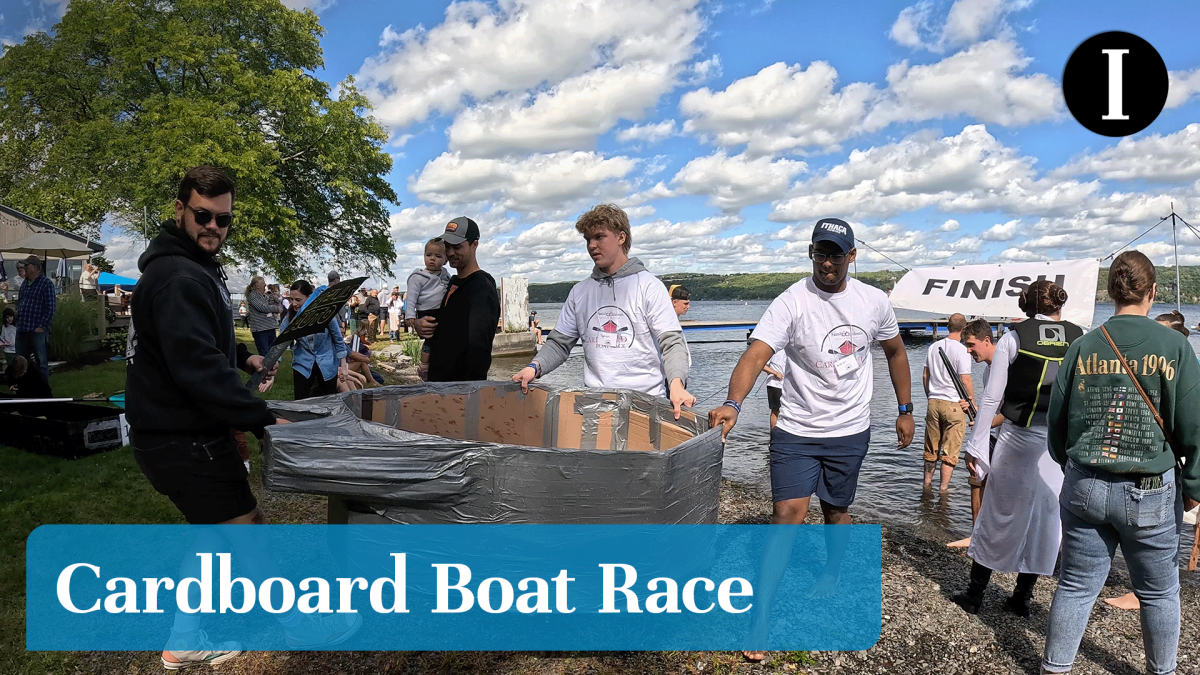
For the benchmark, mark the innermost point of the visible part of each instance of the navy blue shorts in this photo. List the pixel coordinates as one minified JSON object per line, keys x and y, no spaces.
{"x":827,"y":467}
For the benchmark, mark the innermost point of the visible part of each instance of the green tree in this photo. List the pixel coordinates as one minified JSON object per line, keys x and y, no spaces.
{"x":103,"y":264}
{"x":102,"y":118}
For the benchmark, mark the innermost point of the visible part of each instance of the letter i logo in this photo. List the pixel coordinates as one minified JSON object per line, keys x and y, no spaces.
{"x":1115,"y":84}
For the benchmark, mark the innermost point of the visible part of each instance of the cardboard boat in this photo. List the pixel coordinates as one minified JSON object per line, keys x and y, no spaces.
{"x":483,"y":452}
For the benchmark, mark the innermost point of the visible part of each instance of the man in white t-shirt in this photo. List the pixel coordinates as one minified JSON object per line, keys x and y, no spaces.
{"x":825,"y":325}
{"x":945,"y":417}
{"x":631,"y":335}
{"x":775,"y":369}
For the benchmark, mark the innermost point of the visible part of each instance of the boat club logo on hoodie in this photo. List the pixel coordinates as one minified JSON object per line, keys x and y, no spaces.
{"x":610,"y":327}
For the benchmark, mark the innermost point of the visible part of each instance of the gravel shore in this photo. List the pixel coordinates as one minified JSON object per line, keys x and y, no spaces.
{"x":923,"y":631}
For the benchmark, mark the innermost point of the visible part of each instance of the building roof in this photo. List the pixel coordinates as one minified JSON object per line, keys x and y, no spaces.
{"x":13,"y":234}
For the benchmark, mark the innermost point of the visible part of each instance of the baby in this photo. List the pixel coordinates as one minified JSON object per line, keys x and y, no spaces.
{"x":426,"y":289}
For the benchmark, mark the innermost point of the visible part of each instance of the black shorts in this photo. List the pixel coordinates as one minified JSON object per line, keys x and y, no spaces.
{"x":204,"y":477}
{"x":827,"y":467}
{"x":774,"y":398}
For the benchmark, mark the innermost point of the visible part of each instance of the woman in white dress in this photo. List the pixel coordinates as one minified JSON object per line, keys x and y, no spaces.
{"x":395,"y":305}
{"x":1018,"y":527}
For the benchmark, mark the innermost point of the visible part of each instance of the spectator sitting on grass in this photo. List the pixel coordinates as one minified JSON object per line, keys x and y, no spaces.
{"x":359,"y":358}
{"x":26,"y":382}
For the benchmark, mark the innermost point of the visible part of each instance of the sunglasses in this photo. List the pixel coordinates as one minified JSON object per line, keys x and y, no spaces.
{"x":836,"y":259}
{"x":203,"y":217}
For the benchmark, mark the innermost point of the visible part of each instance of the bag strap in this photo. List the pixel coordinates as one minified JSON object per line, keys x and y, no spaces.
{"x":1125,"y":366}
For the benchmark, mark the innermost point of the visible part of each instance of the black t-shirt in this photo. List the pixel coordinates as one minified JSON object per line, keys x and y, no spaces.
{"x":368,"y":306}
{"x":33,"y":384}
{"x":461,"y":349}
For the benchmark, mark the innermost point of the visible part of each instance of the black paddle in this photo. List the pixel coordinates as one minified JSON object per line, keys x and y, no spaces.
{"x":312,"y":319}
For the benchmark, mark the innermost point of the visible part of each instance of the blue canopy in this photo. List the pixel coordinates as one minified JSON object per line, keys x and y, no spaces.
{"x":106,"y":280}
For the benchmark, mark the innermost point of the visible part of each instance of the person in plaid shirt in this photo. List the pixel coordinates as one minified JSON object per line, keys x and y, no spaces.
{"x":35,"y":311}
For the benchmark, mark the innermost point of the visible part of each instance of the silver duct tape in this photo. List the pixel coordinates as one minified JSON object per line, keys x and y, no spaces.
{"x":420,"y":478}
{"x":471,"y":414}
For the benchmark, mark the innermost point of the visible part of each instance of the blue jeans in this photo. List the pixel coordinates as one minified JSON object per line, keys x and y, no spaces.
{"x":1099,"y":511}
{"x":263,"y":339}
{"x":33,"y":345}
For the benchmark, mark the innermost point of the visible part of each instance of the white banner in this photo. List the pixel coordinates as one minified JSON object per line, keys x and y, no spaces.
{"x":991,"y":290}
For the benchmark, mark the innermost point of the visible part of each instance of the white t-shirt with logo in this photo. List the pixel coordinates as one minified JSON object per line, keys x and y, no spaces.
{"x":941,"y":386}
{"x":827,"y":339}
{"x":618,"y":325}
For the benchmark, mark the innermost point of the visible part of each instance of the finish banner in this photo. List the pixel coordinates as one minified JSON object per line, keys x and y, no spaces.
{"x":457,"y":587}
{"x":991,"y":291}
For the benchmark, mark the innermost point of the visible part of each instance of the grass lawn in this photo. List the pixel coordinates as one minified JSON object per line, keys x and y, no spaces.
{"x":109,"y":488}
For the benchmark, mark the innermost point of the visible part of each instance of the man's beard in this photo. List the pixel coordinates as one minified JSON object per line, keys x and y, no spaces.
{"x":196,"y":240}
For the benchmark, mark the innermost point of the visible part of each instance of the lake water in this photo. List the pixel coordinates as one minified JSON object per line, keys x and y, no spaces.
{"x":889,"y":488}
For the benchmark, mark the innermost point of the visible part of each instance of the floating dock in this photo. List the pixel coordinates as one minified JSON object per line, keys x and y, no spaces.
{"x":909,"y":327}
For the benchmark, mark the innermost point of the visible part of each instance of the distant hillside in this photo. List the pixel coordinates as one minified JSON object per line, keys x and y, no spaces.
{"x":767,"y":286}
{"x":721,"y":286}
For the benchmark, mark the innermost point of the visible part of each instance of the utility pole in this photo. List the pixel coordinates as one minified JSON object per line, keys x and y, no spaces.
{"x":1178,"y":288}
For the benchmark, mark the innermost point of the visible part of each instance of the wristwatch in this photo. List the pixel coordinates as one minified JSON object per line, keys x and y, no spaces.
{"x":906,"y":409}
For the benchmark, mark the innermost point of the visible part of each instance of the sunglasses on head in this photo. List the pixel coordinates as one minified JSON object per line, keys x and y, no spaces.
{"x":204,"y":216}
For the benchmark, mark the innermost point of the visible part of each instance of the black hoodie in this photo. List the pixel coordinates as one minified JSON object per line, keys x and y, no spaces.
{"x":183,"y":378}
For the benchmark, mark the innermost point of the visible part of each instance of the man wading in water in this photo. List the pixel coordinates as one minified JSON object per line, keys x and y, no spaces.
{"x":825,"y":325}
{"x":977,"y":337}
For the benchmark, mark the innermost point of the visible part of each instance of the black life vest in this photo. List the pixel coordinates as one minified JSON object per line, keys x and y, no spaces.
{"x":1032,"y":374}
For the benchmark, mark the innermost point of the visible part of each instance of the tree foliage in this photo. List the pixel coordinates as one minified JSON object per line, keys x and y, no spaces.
{"x":102,"y":118}
{"x":103,"y":264}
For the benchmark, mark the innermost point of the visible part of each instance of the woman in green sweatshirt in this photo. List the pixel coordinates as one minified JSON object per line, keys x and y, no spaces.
{"x":1121,"y":484}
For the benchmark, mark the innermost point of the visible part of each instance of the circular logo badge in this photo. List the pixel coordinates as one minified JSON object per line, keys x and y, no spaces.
{"x":1115,"y":84}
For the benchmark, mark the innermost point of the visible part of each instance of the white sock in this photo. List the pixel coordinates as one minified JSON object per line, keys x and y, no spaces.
{"x":186,"y":623}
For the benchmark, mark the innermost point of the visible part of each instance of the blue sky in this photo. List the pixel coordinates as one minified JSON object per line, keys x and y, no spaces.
{"x":727,"y":129}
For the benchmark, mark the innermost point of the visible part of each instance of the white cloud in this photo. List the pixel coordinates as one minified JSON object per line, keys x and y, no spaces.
{"x":982,"y":82}
{"x":123,"y":251}
{"x":1001,"y":231}
{"x":971,"y":171}
{"x":660,"y":234}
{"x":779,"y":108}
{"x":967,"y":22}
{"x":1184,"y":84}
{"x":735,"y":182}
{"x":316,"y":6}
{"x":648,"y":133}
{"x":1157,"y":158}
{"x":1016,"y":254}
{"x":568,"y":116}
{"x":535,"y":184}
{"x":482,"y":50}
{"x":949,"y":226}
{"x":912,"y":24}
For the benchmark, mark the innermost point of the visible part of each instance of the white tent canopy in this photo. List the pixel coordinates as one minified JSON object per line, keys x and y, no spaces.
{"x":49,"y":245}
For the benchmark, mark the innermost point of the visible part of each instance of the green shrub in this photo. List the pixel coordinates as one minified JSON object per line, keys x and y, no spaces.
{"x":74,"y":321}
{"x":412,"y":349}
{"x":115,"y":340}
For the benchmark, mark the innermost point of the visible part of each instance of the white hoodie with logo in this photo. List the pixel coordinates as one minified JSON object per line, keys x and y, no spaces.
{"x":621,"y":320}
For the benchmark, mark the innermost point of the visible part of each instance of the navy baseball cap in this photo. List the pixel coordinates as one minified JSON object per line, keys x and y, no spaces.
{"x":834,"y":230}
{"x":459,"y":230}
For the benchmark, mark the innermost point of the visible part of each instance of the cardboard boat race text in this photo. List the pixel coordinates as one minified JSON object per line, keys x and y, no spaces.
{"x":455,"y":593}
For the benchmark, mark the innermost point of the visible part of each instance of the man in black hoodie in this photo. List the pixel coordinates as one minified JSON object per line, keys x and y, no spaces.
{"x":184,"y":396}
{"x":460,"y":334}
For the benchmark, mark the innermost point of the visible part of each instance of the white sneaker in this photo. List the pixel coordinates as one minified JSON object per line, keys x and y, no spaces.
{"x":318,"y":631}
{"x":193,"y":650}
